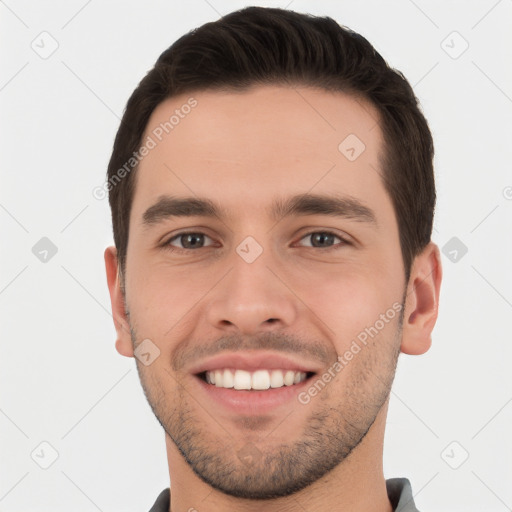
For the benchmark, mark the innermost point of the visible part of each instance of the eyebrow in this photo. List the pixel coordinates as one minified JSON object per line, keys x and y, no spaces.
{"x":347,"y":207}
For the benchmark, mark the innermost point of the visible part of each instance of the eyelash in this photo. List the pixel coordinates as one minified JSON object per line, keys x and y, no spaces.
{"x":167,"y":245}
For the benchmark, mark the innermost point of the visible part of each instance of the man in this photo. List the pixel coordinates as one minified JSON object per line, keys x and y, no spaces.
{"x":272,"y":198}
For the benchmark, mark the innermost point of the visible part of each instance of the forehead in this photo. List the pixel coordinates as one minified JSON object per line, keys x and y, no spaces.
{"x":247,"y":148}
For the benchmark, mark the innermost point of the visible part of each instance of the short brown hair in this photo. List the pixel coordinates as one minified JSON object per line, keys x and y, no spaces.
{"x":259,"y":46}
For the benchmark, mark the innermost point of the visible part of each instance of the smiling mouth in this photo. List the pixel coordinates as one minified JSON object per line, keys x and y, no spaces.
{"x":258,"y":380}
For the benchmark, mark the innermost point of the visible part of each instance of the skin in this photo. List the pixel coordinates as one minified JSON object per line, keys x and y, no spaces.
{"x":243,"y":150}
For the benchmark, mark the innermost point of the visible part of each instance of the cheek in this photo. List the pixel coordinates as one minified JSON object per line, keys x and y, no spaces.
{"x":162,"y":299}
{"x":350,"y":300}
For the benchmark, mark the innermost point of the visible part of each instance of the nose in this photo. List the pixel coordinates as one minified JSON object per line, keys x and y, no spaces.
{"x":252,"y":297}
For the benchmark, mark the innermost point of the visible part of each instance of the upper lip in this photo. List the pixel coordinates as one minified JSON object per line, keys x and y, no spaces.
{"x":253,"y":360}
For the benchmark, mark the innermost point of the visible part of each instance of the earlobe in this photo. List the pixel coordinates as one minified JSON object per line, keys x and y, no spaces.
{"x":123,"y":342}
{"x":422,"y":301}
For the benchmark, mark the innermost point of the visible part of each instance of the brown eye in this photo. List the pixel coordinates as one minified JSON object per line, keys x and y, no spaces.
{"x":187,"y":241}
{"x":323,"y":240}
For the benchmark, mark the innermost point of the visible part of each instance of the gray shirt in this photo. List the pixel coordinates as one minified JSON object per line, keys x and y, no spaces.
{"x":399,"y":493}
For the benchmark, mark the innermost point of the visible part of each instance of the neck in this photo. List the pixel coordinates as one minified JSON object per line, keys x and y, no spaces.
{"x":355,"y":485}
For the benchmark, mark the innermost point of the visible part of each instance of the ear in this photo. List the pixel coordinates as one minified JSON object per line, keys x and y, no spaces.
{"x":123,"y":342}
{"x":422,"y":301}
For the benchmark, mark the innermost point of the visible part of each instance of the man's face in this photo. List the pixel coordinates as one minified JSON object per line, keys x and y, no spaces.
{"x":256,"y":288}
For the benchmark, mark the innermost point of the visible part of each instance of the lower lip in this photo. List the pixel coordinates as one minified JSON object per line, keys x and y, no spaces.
{"x":252,"y":402}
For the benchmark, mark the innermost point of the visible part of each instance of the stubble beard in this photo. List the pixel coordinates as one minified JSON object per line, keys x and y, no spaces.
{"x":330,"y":433}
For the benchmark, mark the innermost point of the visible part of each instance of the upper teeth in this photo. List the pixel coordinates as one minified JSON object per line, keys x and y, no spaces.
{"x":260,"y":379}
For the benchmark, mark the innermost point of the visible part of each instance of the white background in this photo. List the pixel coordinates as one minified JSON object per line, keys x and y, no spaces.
{"x":61,"y":380}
